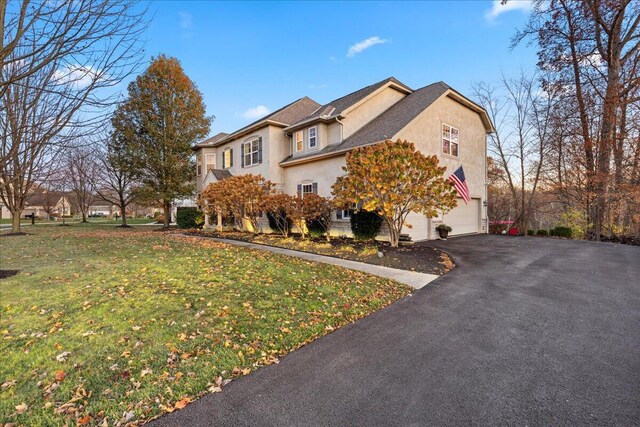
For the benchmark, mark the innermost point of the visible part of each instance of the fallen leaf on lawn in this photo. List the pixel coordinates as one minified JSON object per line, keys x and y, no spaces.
{"x":135,"y":328}
{"x":59,"y":376}
{"x":146,"y":371}
{"x":63,"y":356}
{"x":84,"y":420}
{"x":182,"y":403}
{"x":21,"y":408}
{"x":215,"y":389}
{"x":8,"y":384}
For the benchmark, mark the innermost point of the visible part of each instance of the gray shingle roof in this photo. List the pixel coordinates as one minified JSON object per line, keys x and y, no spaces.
{"x":210,"y":141}
{"x":221,"y":174}
{"x":337,"y":106}
{"x":387,"y":124}
{"x":286,"y":115}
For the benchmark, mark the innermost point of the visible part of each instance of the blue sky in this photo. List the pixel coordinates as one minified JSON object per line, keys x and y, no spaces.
{"x":251,"y":58}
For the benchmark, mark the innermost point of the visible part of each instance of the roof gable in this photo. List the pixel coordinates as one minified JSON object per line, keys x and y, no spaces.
{"x":341,"y":105}
{"x":394,"y":119}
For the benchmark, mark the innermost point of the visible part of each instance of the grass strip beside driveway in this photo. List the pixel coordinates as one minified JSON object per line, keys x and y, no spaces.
{"x":109,"y":325}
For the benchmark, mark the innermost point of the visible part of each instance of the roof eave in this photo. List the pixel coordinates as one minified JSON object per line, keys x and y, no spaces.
{"x":320,"y":119}
{"x":245,"y":131}
{"x":484,"y":116}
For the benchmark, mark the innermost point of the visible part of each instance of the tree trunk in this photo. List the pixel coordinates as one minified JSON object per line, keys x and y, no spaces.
{"x":84,"y":216}
{"x":15,"y":221}
{"x":394,"y":234}
{"x":219,"y":221}
{"x":123,"y":213}
{"x":167,"y":214}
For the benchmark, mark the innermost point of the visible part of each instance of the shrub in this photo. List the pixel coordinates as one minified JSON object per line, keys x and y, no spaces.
{"x":561,"y":232}
{"x":316,"y":228}
{"x":444,"y":227}
{"x":530,"y":232}
{"x":365,"y":225}
{"x":542,"y":233}
{"x":189,"y":217}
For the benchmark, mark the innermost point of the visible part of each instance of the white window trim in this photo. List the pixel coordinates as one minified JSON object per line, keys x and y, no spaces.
{"x":224,"y":158}
{"x":295,"y":141}
{"x":346,"y":213}
{"x":199,"y":164}
{"x":315,"y":128}
{"x":306,"y":184}
{"x":450,"y":140}
{"x":206,"y":164}
{"x":250,"y":153}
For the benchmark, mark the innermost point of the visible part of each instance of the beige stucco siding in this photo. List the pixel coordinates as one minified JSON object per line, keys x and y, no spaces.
{"x":324,"y":172}
{"x":368,"y":110}
{"x":426,"y":132}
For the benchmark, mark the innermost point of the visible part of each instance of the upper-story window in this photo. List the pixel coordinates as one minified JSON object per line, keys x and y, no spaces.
{"x":313,"y":137}
{"x":450,"y":140}
{"x":227,"y":158}
{"x":252,"y":152}
{"x":199,"y":164}
{"x":210,"y":162}
{"x":299,"y":140}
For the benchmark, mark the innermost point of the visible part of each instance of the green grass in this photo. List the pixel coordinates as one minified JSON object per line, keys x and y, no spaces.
{"x":151,"y":320}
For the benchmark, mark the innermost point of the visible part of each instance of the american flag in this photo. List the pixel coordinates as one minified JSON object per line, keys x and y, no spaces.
{"x":460,"y":183}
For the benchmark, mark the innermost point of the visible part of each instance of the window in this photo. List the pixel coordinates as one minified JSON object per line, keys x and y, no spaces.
{"x":227,"y":158}
{"x":450,"y":140}
{"x":313,"y":137}
{"x":210,"y":162}
{"x":307,"y":188}
{"x":344,"y":214}
{"x":299,"y":140}
{"x":199,"y":164}
{"x":251,"y":152}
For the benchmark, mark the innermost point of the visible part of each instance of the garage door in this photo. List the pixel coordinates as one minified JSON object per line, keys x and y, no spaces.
{"x":464,"y":218}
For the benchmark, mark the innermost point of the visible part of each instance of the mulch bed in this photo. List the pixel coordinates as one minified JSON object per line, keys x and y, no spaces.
{"x":420,"y":258}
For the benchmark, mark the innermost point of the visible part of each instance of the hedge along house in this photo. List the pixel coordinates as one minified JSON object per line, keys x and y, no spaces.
{"x":302,"y":146}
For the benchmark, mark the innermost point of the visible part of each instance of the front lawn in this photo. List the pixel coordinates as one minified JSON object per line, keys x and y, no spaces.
{"x":103,"y":325}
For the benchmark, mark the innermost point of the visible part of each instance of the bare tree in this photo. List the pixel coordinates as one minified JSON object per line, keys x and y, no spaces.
{"x":83,"y":173}
{"x":118,"y":175}
{"x":59,"y":60}
{"x":521,"y":112}
{"x":592,"y":49}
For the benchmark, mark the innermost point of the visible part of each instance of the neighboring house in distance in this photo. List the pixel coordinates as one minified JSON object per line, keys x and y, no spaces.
{"x":302,"y":146}
{"x":47,"y":204}
{"x":101,"y":208}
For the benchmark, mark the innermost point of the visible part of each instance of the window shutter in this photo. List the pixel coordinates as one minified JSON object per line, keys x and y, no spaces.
{"x":242,"y":155}
{"x":231,"y":157}
{"x":314,"y":188}
{"x":299,"y":190}
{"x":260,"y":150}
{"x":338,"y":213}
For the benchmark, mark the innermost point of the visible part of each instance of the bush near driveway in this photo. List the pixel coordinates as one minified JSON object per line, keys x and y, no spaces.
{"x":104,"y":324}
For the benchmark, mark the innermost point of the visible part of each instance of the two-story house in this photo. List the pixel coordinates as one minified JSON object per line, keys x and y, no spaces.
{"x":302,"y":146}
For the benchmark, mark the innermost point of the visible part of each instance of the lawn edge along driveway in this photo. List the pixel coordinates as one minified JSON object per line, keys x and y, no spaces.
{"x":410,"y":278}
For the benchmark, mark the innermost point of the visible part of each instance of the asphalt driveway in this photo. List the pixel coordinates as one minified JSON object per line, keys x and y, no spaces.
{"x":526,"y":331}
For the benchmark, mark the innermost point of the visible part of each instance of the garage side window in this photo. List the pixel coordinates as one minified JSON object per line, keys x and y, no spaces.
{"x":450,"y":140}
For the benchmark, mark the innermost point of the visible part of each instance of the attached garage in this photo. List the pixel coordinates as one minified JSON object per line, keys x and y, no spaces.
{"x":464,"y":218}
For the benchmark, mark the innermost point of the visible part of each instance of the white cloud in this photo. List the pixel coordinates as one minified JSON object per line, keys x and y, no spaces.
{"x":497,"y":8}
{"x":255,"y":112}
{"x":186,"y":20}
{"x":364,"y":44}
{"x":77,"y":75}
